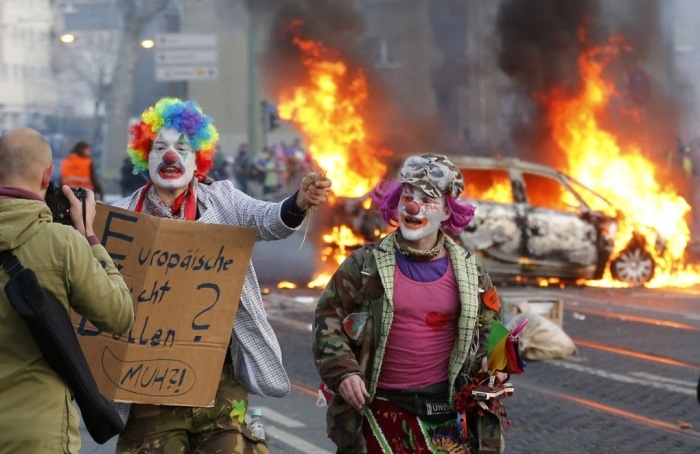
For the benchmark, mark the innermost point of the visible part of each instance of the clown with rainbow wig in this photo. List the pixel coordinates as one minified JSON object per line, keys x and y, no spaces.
{"x":173,"y":146}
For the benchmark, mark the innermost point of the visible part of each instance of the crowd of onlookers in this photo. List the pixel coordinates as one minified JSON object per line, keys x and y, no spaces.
{"x":272,"y":174}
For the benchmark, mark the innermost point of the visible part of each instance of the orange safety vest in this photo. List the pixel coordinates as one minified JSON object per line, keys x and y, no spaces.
{"x":75,"y":172}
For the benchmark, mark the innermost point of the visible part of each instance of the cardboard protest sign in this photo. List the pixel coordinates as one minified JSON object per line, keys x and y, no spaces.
{"x":186,"y":280}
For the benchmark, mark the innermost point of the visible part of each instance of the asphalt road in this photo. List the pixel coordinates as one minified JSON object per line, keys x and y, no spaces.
{"x":631,"y":387}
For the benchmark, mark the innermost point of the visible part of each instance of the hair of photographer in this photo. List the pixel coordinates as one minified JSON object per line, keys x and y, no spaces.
{"x":25,"y":160}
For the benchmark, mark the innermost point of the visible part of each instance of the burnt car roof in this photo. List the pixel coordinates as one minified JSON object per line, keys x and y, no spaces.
{"x":486,"y":162}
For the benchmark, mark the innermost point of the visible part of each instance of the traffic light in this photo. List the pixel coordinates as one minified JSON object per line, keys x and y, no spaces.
{"x":271,"y":119}
{"x":274,"y":120}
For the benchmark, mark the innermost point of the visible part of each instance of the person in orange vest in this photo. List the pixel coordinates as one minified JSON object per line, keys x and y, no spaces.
{"x":78,"y":170}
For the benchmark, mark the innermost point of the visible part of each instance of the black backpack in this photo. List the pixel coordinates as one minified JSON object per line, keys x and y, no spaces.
{"x":53,"y":332}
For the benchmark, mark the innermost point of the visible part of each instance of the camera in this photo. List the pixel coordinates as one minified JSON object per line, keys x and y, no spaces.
{"x":59,"y":203}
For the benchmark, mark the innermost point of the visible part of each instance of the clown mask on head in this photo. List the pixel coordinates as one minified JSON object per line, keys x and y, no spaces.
{"x":171,"y":161}
{"x":420,"y":214}
{"x":427,"y":179}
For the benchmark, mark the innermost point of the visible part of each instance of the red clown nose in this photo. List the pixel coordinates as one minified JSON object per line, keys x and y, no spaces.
{"x":170,"y":157}
{"x":412,"y":208}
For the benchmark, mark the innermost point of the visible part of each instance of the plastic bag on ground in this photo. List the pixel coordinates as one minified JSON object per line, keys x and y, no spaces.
{"x":542,"y":339}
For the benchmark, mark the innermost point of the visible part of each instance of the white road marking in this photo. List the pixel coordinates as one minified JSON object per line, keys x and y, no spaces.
{"x":663,"y":379}
{"x":305,"y":299}
{"x":285,"y":437}
{"x":662,"y":384}
{"x":293,"y":441}
{"x":277,"y":417}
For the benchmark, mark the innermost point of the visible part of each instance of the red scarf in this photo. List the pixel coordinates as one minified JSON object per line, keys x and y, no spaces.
{"x":187,"y":196}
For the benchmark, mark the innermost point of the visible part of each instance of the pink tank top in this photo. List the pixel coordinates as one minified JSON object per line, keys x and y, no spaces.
{"x":422,"y":333}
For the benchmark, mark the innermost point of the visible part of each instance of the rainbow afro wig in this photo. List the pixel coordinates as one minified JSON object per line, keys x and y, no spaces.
{"x":186,"y":117}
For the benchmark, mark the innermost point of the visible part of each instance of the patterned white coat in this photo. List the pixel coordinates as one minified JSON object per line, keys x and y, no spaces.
{"x":255,"y":351}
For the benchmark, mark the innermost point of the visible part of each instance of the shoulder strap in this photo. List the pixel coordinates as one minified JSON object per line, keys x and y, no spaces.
{"x":10,"y":263}
{"x":366,"y":255}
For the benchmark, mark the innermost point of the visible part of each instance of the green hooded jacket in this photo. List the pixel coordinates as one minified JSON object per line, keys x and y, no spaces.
{"x":36,"y":410}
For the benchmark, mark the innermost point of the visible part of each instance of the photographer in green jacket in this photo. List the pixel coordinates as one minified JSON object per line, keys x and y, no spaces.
{"x":37,"y":414}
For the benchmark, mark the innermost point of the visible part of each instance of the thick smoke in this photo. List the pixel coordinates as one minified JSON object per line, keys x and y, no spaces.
{"x":540,"y":42}
{"x":335,"y":23}
{"x":340,"y":27}
{"x":539,"y":45}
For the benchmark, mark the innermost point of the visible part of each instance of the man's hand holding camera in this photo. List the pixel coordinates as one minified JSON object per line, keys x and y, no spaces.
{"x":76,"y":209}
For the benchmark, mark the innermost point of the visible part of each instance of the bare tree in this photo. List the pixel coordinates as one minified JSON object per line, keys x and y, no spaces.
{"x":136,"y":14}
{"x":91,"y":61}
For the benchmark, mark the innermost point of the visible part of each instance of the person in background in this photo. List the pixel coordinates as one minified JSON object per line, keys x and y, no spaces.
{"x":130,"y":181}
{"x":403,"y":324}
{"x":267,"y":166}
{"x":281,"y":166}
{"x":219,"y":170}
{"x":298,"y":165}
{"x":241,"y":167}
{"x":78,"y":170}
{"x":175,"y":142}
{"x":36,"y":409}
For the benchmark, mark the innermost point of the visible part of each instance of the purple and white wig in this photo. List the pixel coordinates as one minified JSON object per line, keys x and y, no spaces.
{"x":387,"y":194}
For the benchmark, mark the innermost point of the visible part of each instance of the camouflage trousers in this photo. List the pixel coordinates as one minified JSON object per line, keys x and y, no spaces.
{"x":160,"y":429}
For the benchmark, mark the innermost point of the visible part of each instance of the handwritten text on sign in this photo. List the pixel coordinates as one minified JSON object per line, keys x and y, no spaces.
{"x":186,"y":280}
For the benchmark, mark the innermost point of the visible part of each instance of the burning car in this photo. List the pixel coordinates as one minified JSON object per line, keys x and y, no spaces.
{"x":533,"y":221}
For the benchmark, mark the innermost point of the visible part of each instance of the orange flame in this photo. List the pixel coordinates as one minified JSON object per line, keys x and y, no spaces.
{"x":329,"y":111}
{"x":623,"y":175}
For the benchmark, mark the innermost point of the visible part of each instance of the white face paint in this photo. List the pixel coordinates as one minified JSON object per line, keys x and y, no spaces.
{"x":420,"y":216}
{"x":171,"y":161}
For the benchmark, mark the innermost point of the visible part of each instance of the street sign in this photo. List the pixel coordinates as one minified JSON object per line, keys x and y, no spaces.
{"x":186,"y":56}
{"x":185,"y":40}
{"x":191,"y":72}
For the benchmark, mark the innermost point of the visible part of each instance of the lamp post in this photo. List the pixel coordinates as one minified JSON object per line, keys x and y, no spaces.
{"x":253,"y":106}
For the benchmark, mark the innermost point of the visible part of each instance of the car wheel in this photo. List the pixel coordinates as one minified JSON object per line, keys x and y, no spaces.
{"x":634,"y":266}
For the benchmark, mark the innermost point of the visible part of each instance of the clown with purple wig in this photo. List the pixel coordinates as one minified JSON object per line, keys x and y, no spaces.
{"x":403,"y":324}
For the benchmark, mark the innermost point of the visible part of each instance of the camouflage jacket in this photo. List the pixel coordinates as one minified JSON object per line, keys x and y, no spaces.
{"x":354,"y":314}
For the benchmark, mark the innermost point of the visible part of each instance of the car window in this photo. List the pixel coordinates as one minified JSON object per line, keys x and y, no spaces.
{"x":593,"y":200}
{"x":488,"y":184}
{"x":546,"y":192}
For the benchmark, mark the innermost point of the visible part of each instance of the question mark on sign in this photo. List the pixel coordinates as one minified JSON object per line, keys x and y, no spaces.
{"x":195,"y":326}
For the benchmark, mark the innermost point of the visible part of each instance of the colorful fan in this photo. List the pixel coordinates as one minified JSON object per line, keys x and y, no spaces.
{"x":504,"y":351}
